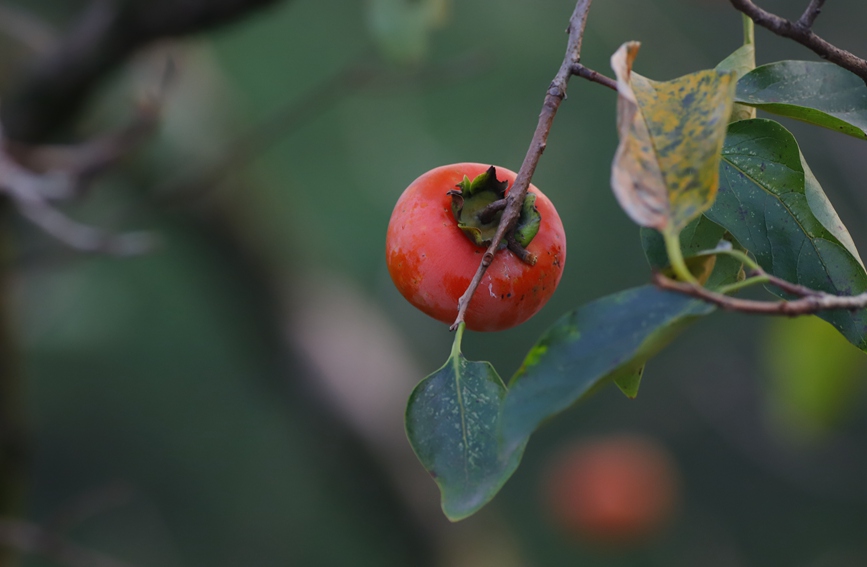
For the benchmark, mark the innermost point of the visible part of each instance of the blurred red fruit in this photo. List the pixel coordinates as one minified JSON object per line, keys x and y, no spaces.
{"x":613,"y":491}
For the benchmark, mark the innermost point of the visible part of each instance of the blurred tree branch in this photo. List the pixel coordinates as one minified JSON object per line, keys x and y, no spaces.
{"x":62,"y":173}
{"x":14,"y":446}
{"x":107,"y":32}
{"x":32,"y":539}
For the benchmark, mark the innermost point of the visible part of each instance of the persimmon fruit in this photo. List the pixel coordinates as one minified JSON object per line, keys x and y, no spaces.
{"x":616,"y":491}
{"x":439,"y":231}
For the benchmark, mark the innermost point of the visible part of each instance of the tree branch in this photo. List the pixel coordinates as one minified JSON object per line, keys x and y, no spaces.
{"x":105,"y":35}
{"x":555,"y":95}
{"x":594,"y":76}
{"x":810,"y":301}
{"x":801,"y":31}
{"x":808,"y":18}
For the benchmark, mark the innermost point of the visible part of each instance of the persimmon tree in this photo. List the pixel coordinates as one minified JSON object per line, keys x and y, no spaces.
{"x":725,"y":201}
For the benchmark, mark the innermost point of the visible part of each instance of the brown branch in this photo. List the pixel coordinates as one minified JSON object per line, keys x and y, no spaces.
{"x":595,"y":76}
{"x":801,"y":31}
{"x":807,"y":305}
{"x":808,"y":18}
{"x":555,"y":95}
{"x":789,"y":287}
{"x":32,"y":539}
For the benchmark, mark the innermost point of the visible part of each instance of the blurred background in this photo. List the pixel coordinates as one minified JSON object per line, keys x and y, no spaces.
{"x":235,"y":396}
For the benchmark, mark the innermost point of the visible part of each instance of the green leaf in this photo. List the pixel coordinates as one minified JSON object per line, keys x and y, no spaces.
{"x":816,"y":92}
{"x":452,"y":424}
{"x":588,"y":347}
{"x":665,"y":172}
{"x":726,"y":271}
{"x":470,"y":432}
{"x":772,"y":204}
{"x":741,"y":62}
{"x":629,"y":381}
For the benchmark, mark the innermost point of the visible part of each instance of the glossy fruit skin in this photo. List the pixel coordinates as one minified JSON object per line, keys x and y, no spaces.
{"x":432,"y":262}
{"x":614,"y":491}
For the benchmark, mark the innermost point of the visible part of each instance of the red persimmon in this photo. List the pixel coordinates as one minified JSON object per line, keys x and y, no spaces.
{"x":432,"y":259}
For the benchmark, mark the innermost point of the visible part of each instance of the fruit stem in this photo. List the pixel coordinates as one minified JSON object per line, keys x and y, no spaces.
{"x":459,"y":335}
{"x":749,"y":30}
{"x":522,"y":253}
{"x":486,"y":215}
{"x":737,"y":286}
{"x":743,"y":257}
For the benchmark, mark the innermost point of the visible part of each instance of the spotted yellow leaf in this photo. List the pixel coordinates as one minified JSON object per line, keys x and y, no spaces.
{"x":666,"y":169}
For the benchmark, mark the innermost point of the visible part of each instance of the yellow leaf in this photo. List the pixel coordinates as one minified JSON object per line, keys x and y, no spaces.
{"x":666,"y":169}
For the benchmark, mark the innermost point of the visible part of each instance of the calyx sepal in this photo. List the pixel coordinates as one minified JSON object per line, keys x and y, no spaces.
{"x":477,"y":206}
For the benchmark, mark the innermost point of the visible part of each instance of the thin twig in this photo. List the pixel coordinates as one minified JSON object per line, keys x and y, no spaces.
{"x":789,"y":287}
{"x":595,"y":76}
{"x":801,"y":31}
{"x":32,"y":539}
{"x":806,"y":305}
{"x":808,"y":18}
{"x":555,"y":95}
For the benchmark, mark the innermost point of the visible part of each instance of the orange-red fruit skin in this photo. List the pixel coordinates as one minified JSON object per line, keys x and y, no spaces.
{"x":616,"y":491}
{"x":431,"y":261}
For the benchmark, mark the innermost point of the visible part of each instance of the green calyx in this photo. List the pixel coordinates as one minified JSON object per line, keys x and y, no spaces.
{"x":478,"y":206}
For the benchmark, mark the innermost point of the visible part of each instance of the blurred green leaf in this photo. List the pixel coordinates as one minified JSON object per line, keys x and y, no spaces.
{"x":402,"y":28}
{"x":666,"y":168}
{"x":585,"y":348}
{"x":816,"y":92}
{"x":772,"y":204}
{"x":451,"y":422}
{"x":815,"y":376}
